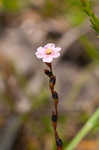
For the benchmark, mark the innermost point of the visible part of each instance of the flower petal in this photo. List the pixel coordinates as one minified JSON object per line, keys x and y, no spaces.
{"x":56,"y":55}
{"x":48,"y":59}
{"x":39,"y":55}
{"x":58,"y":49}
{"x":49,"y":45}
{"x":40,"y":49}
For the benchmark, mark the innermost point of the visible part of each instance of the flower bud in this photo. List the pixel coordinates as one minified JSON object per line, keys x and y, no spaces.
{"x":59,"y":142}
{"x":48,"y":73}
{"x":52,"y":80}
{"x":54,"y":117}
{"x":55,"y":95}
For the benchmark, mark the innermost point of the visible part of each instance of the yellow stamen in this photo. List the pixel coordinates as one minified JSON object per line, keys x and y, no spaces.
{"x":48,"y":51}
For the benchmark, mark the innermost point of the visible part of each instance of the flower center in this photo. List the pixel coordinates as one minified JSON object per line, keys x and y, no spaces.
{"x":48,"y":51}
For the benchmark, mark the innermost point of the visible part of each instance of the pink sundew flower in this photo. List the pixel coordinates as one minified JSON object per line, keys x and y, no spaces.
{"x":48,"y":52}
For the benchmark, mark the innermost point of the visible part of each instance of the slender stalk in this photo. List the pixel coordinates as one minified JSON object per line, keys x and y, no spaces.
{"x":52,"y":81}
{"x":84,"y":131}
{"x":87,"y":7}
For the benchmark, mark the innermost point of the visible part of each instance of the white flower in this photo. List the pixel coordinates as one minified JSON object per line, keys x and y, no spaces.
{"x":48,"y":52}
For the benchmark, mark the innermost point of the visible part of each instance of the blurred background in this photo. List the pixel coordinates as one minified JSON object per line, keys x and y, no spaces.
{"x":25,"y":101}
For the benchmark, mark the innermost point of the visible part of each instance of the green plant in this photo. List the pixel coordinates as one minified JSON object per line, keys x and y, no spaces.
{"x":87,"y":7}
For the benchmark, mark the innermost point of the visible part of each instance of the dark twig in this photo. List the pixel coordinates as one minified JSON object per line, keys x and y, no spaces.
{"x":52,"y":81}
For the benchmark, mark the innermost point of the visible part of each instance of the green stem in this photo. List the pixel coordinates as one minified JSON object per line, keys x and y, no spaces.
{"x":84,"y":131}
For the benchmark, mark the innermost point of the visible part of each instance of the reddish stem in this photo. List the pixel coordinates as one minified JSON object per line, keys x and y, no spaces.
{"x":52,"y":81}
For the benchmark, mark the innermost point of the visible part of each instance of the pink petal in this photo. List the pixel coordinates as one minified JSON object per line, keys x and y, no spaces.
{"x":58,"y":49}
{"x":48,"y":59}
{"x":39,"y":55}
{"x":56,"y":55}
{"x":49,"y":45}
{"x":40,"y":49}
